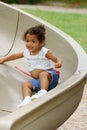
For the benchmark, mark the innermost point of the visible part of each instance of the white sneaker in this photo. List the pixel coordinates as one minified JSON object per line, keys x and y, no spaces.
{"x":39,"y":94}
{"x":26,"y":100}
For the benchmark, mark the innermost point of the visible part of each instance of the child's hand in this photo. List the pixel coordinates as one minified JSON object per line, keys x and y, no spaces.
{"x":1,"y":61}
{"x":58,"y":65}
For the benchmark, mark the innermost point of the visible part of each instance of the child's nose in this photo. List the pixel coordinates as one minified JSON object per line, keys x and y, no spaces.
{"x":29,"y":43}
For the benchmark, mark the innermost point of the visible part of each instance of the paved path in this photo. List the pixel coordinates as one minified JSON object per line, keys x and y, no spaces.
{"x":53,"y":8}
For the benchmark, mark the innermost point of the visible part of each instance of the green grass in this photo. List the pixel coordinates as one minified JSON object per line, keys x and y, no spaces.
{"x":73,"y":24}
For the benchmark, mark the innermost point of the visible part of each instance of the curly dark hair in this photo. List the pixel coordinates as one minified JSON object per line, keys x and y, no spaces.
{"x":39,"y":31}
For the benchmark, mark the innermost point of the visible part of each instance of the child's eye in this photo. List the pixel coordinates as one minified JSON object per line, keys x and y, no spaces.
{"x":33,"y":41}
{"x":27,"y":40}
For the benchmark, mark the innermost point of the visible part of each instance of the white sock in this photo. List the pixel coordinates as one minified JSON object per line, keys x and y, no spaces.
{"x":26,"y":100}
{"x":39,"y":94}
{"x":42,"y":91}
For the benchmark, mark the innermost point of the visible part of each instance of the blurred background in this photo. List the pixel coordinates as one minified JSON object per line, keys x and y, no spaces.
{"x":64,"y":3}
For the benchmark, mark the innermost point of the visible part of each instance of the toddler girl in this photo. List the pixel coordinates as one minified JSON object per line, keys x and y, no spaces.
{"x":39,"y":62}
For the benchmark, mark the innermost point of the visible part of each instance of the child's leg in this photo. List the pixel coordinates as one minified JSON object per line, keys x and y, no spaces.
{"x":48,"y":80}
{"x":27,"y":91}
{"x":45,"y":79}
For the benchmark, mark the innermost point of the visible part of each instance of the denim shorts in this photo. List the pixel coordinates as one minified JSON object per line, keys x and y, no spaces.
{"x":36,"y":82}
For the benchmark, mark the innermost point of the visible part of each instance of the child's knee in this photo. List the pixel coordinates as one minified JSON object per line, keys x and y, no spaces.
{"x":43,"y":74}
{"x":27,"y":84}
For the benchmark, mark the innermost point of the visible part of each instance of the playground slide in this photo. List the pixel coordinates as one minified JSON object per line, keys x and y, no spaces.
{"x":54,"y":108}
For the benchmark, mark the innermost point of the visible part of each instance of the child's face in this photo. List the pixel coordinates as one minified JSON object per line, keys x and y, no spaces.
{"x":33,"y":44}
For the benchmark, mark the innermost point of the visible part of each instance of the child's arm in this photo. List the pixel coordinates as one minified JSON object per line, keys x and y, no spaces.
{"x":55,"y":59}
{"x":11,"y":57}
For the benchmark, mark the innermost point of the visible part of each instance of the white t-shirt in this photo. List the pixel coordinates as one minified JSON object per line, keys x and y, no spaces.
{"x":38,"y":61}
